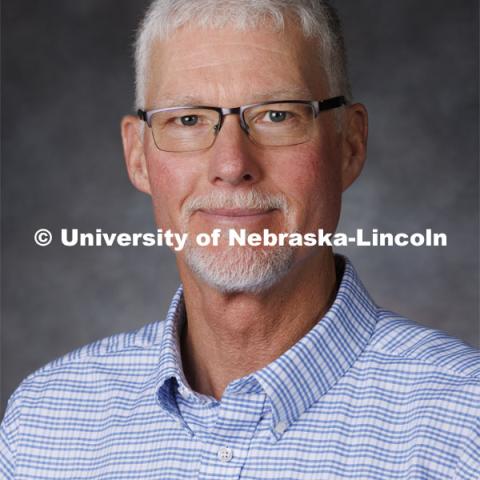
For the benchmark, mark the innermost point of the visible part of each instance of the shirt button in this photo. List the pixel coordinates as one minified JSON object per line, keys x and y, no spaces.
{"x":280,"y":427}
{"x":225,"y":454}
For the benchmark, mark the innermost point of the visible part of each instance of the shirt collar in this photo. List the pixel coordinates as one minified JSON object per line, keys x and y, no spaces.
{"x":170,"y":372}
{"x":312,"y":366}
{"x":305,"y":372}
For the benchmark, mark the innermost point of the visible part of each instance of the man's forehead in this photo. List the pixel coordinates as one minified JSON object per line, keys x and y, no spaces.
{"x":230,"y":68}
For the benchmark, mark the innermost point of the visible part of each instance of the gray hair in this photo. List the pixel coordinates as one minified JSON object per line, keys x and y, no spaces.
{"x":317,"y":19}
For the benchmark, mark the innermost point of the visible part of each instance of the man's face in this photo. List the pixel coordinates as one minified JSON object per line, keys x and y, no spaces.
{"x":229,"y":68}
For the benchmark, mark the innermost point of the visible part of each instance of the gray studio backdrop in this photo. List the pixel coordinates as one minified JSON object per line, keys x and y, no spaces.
{"x":67,"y":79}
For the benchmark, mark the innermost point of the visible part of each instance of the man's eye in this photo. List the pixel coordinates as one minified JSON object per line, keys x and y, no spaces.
{"x":277,"y":116}
{"x":189,"y":120}
{"x":273,"y":116}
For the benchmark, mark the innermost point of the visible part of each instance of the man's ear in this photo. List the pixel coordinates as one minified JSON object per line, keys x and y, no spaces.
{"x":354,"y":149}
{"x":134,"y":153}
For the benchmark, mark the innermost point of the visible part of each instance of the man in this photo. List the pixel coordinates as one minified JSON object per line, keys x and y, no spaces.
{"x":273,"y":361}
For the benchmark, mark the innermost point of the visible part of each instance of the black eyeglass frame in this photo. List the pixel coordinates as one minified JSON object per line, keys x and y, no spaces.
{"x":317,"y":107}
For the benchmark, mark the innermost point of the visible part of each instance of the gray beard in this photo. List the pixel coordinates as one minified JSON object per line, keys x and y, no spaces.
{"x":239,"y":269}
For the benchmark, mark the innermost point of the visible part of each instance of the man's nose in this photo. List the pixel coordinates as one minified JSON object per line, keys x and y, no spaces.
{"x":234,"y":159}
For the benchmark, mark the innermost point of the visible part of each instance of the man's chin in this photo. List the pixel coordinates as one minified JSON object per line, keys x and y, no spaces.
{"x":239,"y":269}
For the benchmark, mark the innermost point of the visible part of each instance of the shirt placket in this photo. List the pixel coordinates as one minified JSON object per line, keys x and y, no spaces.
{"x":228,"y":442}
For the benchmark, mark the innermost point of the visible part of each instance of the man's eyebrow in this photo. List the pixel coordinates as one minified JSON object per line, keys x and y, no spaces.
{"x":172,"y":101}
{"x":284,"y":94}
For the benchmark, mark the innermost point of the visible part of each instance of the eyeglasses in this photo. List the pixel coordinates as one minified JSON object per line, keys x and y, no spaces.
{"x":272,"y":124}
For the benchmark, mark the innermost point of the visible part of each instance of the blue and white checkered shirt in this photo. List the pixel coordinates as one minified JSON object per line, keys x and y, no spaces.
{"x":365,"y":394}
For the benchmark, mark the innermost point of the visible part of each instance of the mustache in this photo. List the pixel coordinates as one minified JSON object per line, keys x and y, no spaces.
{"x":253,"y":199}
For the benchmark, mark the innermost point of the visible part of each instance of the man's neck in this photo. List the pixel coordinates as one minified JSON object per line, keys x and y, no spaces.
{"x":227,"y":337}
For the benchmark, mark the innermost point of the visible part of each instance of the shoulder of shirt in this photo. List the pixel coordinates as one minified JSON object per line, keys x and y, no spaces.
{"x":396,"y":336}
{"x":144,"y":340}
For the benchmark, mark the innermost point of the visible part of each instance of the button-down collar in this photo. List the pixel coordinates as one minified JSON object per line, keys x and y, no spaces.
{"x":299,"y":377}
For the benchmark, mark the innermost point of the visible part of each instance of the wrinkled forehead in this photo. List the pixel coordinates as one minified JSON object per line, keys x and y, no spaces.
{"x":228,"y":66}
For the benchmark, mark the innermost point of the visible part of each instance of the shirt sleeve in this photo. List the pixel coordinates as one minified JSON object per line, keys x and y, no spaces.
{"x":8,"y":440}
{"x":468,"y":467}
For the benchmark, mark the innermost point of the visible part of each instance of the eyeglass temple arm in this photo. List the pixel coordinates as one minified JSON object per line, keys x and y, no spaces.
{"x":330,"y":103}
